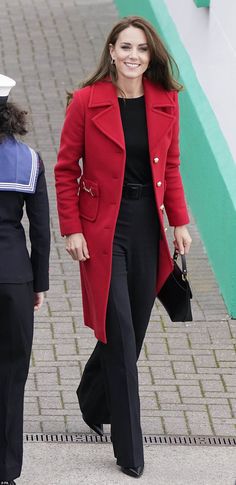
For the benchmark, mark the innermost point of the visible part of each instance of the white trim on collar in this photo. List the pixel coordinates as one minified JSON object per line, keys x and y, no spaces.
{"x":30,"y":187}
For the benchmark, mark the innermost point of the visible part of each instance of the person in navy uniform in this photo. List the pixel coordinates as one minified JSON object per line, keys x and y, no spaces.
{"x":23,"y":277}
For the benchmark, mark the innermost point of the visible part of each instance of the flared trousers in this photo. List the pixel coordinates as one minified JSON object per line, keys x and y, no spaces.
{"x":16,"y":333}
{"x":109,"y":391}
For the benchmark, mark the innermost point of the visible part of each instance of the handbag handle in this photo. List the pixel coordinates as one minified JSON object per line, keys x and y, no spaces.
{"x":183,"y":262}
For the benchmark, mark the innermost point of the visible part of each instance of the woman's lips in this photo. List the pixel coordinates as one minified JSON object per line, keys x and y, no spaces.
{"x":132,"y":65}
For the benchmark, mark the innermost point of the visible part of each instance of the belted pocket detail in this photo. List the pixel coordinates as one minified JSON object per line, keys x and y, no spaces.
{"x":88,"y":199}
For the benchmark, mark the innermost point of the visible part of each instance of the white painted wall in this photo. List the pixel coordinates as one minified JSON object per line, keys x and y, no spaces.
{"x":209,"y":36}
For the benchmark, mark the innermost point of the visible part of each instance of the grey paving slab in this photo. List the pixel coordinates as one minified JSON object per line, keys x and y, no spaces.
{"x":187,"y":371}
{"x":79,"y":464}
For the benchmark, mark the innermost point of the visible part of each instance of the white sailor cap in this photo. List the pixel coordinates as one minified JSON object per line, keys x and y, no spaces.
{"x":6,"y":83}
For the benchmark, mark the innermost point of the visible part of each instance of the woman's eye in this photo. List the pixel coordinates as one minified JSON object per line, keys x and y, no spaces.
{"x":127,"y":47}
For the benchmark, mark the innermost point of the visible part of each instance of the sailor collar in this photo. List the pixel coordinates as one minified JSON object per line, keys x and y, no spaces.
{"x":19,"y":167}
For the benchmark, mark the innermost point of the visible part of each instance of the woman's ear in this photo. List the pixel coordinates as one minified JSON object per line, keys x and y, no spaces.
{"x":111,"y":49}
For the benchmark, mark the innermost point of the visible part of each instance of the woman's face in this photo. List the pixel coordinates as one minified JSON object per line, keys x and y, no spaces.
{"x":130,"y":53}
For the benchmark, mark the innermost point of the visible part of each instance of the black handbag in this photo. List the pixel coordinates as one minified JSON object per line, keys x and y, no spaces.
{"x":175,"y":295}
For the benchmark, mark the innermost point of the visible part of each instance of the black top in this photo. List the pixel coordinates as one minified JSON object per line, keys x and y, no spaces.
{"x":16,"y":265}
{"x":133,"y":115}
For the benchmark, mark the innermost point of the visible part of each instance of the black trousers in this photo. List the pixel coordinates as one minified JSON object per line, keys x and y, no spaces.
{"x":16,"y":333}
{"x":108,"y":391}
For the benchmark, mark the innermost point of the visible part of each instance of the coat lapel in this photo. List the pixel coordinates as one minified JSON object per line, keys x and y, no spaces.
{"x":107,"y":119}
{"x":159,"y":121}
{"x":107,"y":113}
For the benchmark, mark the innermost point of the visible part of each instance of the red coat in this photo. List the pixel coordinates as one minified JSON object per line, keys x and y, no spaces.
{"x":93,"y":131}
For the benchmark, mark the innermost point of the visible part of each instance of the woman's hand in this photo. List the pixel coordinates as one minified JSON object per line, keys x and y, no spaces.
{"x":38,"y":300}
{"x":182,"y":240}
{"x":76,"y":246}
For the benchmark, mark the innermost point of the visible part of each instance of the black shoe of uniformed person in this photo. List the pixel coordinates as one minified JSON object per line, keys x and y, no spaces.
{"x":98,"y":428}
{"x":135,"y":472}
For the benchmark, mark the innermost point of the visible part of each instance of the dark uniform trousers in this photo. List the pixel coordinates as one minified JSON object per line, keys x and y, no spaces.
{"x":108,"y":391}
{"x":16,"y":333}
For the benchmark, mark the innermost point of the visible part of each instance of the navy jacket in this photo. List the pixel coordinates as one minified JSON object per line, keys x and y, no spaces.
{"x":17,"y":265}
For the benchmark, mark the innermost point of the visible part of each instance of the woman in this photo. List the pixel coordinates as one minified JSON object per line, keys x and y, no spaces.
{"x":23,"y":278}
{"x":124,"y":124}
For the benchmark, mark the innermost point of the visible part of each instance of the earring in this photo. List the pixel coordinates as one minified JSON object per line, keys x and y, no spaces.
{"x":113,"y":61}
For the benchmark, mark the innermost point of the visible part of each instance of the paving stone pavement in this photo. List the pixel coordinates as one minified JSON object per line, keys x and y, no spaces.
{"x":187,"y":371}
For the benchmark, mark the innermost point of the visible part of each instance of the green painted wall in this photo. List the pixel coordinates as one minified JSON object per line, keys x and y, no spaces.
{"x":208,"y":169}
{"x":202,"y":3}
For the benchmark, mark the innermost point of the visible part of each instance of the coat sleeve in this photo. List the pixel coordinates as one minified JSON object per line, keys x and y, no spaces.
{"x":67,"y":169}
{"x":174,"y":199}
{"x":37,"y":209}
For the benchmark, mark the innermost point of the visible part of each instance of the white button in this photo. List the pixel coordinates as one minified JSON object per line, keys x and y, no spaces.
{"x":166,"y":229}
{"x":159,"y":183}
{"x":156,"y":160}
{"x":162,"y":207}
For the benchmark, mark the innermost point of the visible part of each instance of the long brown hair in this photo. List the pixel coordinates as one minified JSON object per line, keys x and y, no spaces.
{"x":161,"y":68}
{"x":12,"y":121}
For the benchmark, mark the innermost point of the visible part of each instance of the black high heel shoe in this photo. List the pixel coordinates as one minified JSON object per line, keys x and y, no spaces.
{"x":135,"y":472}
{"x":98,"y":428}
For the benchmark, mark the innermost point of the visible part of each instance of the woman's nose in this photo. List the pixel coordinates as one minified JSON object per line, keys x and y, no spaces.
{"x":133,"y":54}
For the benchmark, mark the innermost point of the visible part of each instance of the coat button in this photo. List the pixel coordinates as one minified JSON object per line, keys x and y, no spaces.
{"x":159,"y":184}
{"x":162,"y":207}
{"x":156,"y":160}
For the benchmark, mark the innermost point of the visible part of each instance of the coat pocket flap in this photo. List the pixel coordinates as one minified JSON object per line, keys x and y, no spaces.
{"x":89,"y":186}
{"x":88,"y":199}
